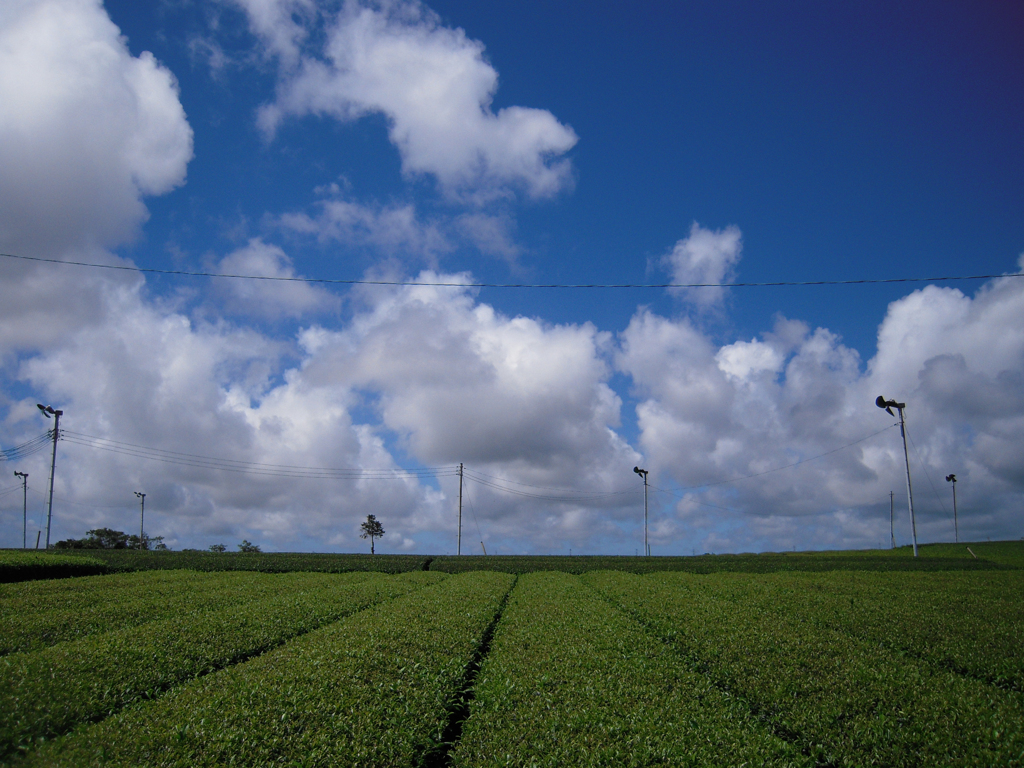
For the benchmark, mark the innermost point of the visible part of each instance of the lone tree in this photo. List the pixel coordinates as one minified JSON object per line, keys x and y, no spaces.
{"x":248,"y":546}
{"x":371,"y":529}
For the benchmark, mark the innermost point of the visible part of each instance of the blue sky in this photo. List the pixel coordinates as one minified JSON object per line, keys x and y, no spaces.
{"x":530,"y":143}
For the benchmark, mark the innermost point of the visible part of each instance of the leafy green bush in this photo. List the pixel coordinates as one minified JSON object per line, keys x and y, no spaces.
{"x":372,"y":690}
{"x":571,"y":681}
{"x":968,"y":622}
{"x":267,"y":562}
{"x":18,"y":565}
{"x":766,"y":563}
{"x":47,"y":693}
{"x":844,"y":700}
{"x":108,"y":603}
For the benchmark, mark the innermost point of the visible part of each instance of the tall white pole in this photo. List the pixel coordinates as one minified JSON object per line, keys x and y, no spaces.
{"x":459,"y":546}
{"x":910,"y":493}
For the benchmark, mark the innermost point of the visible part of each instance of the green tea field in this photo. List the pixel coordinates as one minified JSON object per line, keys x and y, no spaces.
{"x":519,"y":666}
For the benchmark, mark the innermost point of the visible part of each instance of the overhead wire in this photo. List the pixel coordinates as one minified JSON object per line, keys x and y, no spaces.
{"x":466,"y":284}
{"x":26,"y":449}
{"x":251,"y":467}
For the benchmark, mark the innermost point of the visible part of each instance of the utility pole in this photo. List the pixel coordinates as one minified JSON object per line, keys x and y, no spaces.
{"x":892,"y":531}
{"x":956,"y":530}
{"x":888,"y":405}
{"x":643,"y":474}
{"x":459,"y":546}
{"x":24,"y":508}
{"x":48,"y":410}
{"x":142,"y":520}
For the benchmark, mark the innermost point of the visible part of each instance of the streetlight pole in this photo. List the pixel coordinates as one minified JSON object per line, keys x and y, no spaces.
{"x":458,"y":549}
{"x":892,"y":530}
{"x":24,"y":508}
{"x":956,"y":530}
{"x":643,"y":474}
{"x":888,"y":405}
{"x":142,"y":519}
{"x":48,"y":410}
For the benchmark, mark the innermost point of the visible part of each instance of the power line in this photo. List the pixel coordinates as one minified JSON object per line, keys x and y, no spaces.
{"x":35,"y":445}
{"x":251,"y":467}
{"x":441,"y":284}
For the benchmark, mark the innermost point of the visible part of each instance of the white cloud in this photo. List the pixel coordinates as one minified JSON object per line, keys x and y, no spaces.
{"x":268,"y":298}
{"x":392,"y":230}
{"x":431,"y":82}
{"x":705,"y":257}
{"x":86,"y":129}
{"x":150,"y":377}
{"x":709,"y":415}
{"x":281,"y":25}
{"x":399,"y":231}
{"x":490,"y":234}
{"x":512,"y":397}
{"x":743,"y":359}
{"x":432,"y":374}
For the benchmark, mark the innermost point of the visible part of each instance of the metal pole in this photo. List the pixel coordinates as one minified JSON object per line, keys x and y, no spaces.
{"x":647,"y":547}
{"x":24,"y":508}
{"x":892,"y":530}
{"x":142,"y":521}
{"x":53,"y":467}
{"x":910,"y":493}
{"x":956,"y":529}
{"x":459,"y":547}
{"x":643,"y":474}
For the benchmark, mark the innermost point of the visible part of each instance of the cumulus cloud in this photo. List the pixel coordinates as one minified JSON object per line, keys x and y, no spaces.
{"x":710,"y":415}
{"x":268,"y":298}
{"x":432,"y":83}
{"x":86,"y":129}
{"x":398,"y":230}
{"x":705,"y":257}
{"x":391,"y":230}
{"x":491,"y":234}
{"x":425,"y":373}
{"x":511,"y":396}
{"x":149,"y":377}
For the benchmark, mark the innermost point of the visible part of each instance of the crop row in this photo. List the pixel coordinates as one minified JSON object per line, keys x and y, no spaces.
{"x":116,"y":602}
{"x":16,"y":565}
{"x":48,"y":692}
{"x":765,"y":563}
{"x":375,"y":689}
{"x":972,"y":623}
{"x":1003,"y":555}
{"x":571,"y":680}
{"x":846,"y":701}
{"x":267,"y":562}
